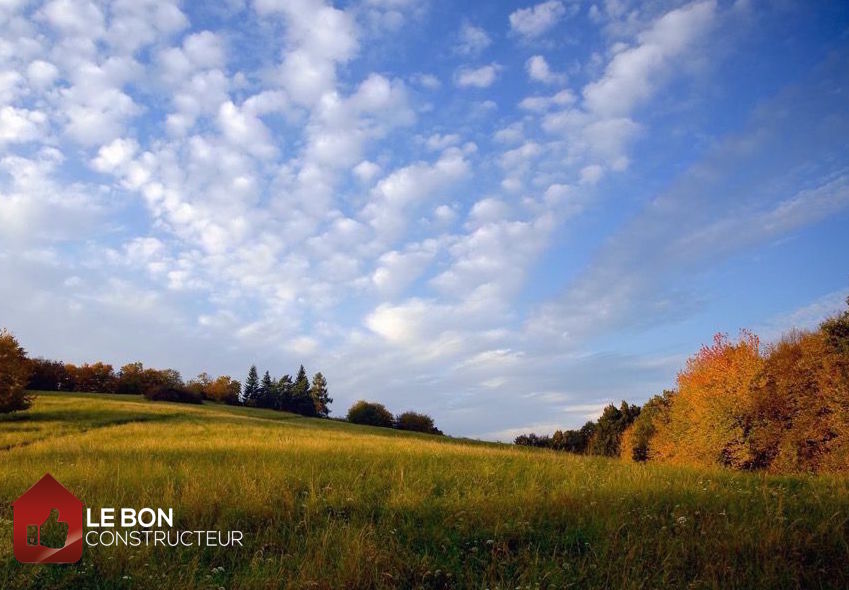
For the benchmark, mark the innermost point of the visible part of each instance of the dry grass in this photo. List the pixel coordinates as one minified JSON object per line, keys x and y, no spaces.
{"x":329,"y":505}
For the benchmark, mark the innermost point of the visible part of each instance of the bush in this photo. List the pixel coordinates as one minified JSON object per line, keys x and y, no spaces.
{"x":415,"y":422}
{"x":371,"y":414}
{"x":14,"y":374}
{"x":173,"y":394}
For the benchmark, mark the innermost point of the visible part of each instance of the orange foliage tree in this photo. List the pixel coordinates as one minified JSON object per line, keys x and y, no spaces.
{"x":710,"y":416}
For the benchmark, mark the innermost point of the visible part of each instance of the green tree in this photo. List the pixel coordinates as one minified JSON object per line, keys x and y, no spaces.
{"x":283,"y":399}
{"x":318,"y":393}
{"x":371,"y":414}
{"x":14,"y":374}
{"x":636,"y":440}
{"x":609,"y":428}
{"x":302,"y":402}
{"x":251,"y":390}
{"x":267,"y":392}
{"x":416,"y":422}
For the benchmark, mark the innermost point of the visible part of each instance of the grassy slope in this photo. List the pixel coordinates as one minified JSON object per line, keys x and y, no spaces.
{"x":330,"y":505}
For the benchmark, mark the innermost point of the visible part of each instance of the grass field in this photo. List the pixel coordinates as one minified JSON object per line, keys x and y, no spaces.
{"x":325,"y":504}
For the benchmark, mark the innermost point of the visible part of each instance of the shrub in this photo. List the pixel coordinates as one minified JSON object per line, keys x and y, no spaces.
{"x":371,"y":414}
{"x":416,"y":422}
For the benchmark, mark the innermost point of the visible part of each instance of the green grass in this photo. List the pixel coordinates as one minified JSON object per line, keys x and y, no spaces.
{"x":325,"y":504}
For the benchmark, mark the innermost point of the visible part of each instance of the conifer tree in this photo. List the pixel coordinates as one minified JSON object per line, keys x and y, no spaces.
{"x":301,"y":399}
{"x":266,"y":393}
{"x":251,"y":391}
{"x":283,"y":400}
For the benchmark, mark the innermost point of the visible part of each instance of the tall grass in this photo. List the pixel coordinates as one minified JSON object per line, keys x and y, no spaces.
{"x":329,"y":505}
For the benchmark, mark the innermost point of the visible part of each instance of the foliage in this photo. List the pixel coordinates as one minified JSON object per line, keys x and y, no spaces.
{"x":371,"y":414}
{"x":250,"y":393}
{"x":325,"y":505}
{"x":637,"y":438}
{"x":609,"y":428}
{"x":14,"y":374}
{"x":709,"y":415}
{"x":320,"y":396}
{"x":416,"y":422}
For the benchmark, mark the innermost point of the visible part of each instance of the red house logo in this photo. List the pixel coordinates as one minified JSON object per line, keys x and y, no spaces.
{"x":47,"y":524}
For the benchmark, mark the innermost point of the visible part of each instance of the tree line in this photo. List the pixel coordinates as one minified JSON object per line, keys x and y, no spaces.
{"x":286,"y":394}
{"x":21,"y":375}
{"x":781,"y":408}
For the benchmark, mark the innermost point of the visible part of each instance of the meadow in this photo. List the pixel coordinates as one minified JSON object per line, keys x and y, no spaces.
{"x":325,"y":504}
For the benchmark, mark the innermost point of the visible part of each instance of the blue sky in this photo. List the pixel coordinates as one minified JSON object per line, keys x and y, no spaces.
{"x":506,"y":215}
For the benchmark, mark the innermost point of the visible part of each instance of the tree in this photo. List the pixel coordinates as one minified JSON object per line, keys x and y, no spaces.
{"x":801,"y":406}
{"x":200,"y":385}
{"x":14,"y":374}
{"x":131,"y":379}
{"x":371,"y":414}
{"x":224,"y":389}
{"x":318,"y":393}
{"x":637,"y":438}
{"x":710,"y":416}
{"x":251,"y":391}
{"x":416,"y":422}
{"x":45,"y":375}
{"x":267,"y":392}
{"x":284,"y":400}
{"x":302,"y":402}
{"x":609,"y":428}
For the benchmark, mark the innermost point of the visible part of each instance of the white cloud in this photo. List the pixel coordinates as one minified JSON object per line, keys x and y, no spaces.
{"x":633,"y":73}
{"x":115,"y":155}
{"x":537,"y":20}
{"x":20,"y":125}
{"x":481,"y":77}
{"x":471,"y":40}
{"x":539,"y":70}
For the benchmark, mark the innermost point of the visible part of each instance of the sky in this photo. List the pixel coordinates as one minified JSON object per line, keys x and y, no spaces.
{"x":503,"y":214}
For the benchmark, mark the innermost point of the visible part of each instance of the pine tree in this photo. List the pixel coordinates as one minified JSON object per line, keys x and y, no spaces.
{"x":318,"y":392}
{"x":266,"y":393}
{"x":301,"y":399}
{"x":251,"y":391}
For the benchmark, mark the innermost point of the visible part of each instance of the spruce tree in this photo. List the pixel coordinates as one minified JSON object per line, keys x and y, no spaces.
{"x":283,"y":399}
{"x":265,"y":396}
{"x":318,"y":393}
{"x":301,"y":398}
{"x":251,"y":391}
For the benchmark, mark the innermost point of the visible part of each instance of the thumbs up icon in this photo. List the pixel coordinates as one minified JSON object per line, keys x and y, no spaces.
{"x":52,"y":533}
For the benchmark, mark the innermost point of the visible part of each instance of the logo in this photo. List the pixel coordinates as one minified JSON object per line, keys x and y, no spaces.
{"x":47,"y":524}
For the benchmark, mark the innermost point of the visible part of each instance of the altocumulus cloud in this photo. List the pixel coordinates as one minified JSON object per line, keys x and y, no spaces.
{"x":424,"y":206}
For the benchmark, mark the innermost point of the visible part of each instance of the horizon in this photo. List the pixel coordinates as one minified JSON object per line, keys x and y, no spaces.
{"x":547,"y":212}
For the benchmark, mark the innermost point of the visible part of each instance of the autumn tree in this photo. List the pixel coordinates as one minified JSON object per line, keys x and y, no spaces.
{"x":131,"y":379}
{"x":710,"y":416}
{"x":320,"y":397}
{"x":224,"y":389}
{"x":801,"y":406}
{"x":14,"y":374}
{"x":637,"y":438}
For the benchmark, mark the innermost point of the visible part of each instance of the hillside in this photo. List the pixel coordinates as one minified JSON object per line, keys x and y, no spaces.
{"x":324,"y":504}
